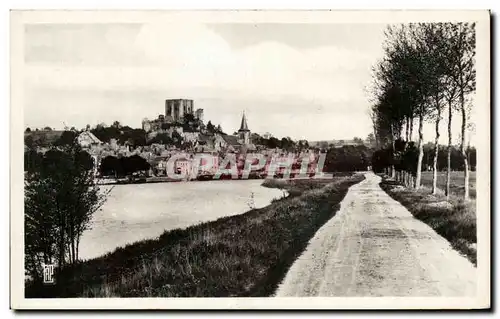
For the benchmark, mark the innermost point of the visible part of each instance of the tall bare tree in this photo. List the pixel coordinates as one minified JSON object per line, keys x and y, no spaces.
{"x":462,"y":53}
{"x":450,"y":94}
{"x":433,"y":42}
{"x":418,"y":76}
{"x":467,"y":86}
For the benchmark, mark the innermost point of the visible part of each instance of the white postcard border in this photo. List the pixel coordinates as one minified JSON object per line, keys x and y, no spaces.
{"x":19,"y":18}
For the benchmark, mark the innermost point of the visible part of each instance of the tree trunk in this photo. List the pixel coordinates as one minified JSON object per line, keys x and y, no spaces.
{"x":61,"y":241}
{"x":436,"y":153}
{"x":420,"y":148}
{"x":70,"y":240}
{"x":448,"y":169}
{"x":466,"y":179}
{"x":407,"y":131}
{"x":68,"y":249}
{"x":393,"y":150}
{"x":77,"y":246}
{"x":462,"y":146}
{"x":411,"y":129}
{"x":73,"y":251}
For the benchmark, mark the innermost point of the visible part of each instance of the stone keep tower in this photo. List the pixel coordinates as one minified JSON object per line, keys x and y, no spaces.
{"x":244,"y":132}
{"x":175,"y":109}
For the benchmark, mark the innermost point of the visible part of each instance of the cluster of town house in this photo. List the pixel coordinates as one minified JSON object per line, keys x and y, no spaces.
{"x":199,"y":138}
{"x":197,"y":134}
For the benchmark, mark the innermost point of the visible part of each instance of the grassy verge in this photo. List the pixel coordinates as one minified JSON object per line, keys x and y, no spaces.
{"x":456,"y":182}
{"x":453,"y":219}
{"x":243,"y":255}
{"x":295,"y":187}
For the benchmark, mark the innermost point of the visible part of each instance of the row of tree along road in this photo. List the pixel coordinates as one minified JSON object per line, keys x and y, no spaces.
{"x":428,"y":71}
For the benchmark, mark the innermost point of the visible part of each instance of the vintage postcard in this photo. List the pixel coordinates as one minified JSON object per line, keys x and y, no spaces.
{"x":250,"y":160}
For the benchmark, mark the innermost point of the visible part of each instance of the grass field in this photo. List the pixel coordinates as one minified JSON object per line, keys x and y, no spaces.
{"x":244,"y":255}
{"x":456,"y":182}
{"x":452,"y":218}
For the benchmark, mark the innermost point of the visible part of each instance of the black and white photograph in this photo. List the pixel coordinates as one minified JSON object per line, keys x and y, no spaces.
{"x":250,"y":159}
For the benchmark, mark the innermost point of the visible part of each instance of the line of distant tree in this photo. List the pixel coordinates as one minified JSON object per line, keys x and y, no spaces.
{"x":122,"y":134}
{"x":46,"y":128}
{"x":66,"y":138}
{"x":164,"y":138}
{"x":285,"y":143}
{"x":35,"y":161}
{"x":348,"y":158}
{"x":123,"y":166}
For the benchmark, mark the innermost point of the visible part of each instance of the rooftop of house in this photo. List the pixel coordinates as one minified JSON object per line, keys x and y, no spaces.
{"x":203,"y":148}
{"x":231,"y":140}
{"x":205,"y":138}
{"x":90,"y":136}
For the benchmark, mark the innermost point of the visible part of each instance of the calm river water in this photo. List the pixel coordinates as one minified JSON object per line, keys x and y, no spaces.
{"x":139,"y":211}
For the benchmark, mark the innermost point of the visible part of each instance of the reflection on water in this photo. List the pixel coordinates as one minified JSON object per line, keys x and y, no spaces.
{"x":138,"y":211}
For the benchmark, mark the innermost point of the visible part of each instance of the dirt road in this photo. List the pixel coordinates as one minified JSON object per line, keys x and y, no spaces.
{"x":374,"y":247}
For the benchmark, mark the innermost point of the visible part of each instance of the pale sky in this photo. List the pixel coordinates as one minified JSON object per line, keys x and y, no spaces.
{"x":299,"y":80}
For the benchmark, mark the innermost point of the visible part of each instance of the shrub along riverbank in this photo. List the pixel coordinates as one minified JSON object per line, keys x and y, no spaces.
{"x":453,"y":219}
{"x":242,"y":255}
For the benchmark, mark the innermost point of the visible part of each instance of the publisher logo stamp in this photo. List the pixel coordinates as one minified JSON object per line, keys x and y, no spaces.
{"x":48,"y":274}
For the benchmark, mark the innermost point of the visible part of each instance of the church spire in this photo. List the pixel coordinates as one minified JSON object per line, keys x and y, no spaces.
{"x":244,"y":125}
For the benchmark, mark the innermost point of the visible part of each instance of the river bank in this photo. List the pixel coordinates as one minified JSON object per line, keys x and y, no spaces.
{"x":241,"y":255}
{"x":200,"y":178}
{"x":134,"y":212}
